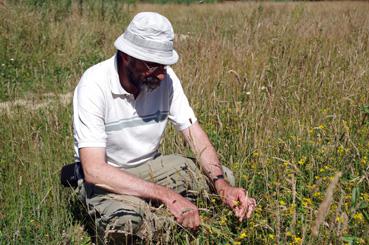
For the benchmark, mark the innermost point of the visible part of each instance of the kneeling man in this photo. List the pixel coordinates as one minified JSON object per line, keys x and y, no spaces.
{"x":121,"y":108}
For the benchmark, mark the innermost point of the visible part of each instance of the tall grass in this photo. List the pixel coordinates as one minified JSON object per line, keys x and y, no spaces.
{"x":281,"y":89}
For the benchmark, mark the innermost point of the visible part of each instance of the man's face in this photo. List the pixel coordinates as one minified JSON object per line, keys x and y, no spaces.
{"x":145,"y":74}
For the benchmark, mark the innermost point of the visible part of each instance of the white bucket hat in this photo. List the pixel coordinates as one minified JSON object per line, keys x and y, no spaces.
{"x":149,"y":37}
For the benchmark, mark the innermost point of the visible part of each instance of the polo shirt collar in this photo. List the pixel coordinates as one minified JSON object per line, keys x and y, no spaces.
{"x":116,"y":87}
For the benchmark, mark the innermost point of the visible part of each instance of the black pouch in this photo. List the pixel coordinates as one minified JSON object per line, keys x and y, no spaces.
{"x":70,"y":174}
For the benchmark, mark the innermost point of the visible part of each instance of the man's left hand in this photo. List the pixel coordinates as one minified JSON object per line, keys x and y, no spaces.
{"x":239,"y":201}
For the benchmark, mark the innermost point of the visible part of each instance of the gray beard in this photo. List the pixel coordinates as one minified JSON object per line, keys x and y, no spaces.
{"x":148,"y":83}
{"x":151,"y":83}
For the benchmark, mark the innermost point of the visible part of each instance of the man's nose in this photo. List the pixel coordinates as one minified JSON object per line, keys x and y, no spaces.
{"x":161,"y":76}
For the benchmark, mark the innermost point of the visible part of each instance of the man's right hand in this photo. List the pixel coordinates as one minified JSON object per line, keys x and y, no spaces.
{"x":185,"y":212}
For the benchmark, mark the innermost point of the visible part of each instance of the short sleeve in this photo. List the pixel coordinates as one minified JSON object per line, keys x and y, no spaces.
{"x":89,"y":114}
{"x":180,"y":113}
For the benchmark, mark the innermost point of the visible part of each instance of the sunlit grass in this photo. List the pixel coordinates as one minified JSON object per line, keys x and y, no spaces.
{"x":281,"y":89}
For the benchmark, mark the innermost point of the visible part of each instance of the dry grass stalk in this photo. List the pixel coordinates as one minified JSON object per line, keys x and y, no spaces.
{"x":294,"y":218}
{"x":31,"y":104}
{"x":324,"y":206}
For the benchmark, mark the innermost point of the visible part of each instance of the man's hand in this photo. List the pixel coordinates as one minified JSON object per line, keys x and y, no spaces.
{"x":185,"y":212}
{"x":237,"y":199}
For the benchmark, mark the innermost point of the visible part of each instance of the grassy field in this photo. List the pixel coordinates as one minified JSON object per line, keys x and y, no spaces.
{"x":281,"y":89}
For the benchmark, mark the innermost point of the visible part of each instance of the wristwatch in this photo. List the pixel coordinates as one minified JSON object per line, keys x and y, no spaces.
{"x":218,"y":177}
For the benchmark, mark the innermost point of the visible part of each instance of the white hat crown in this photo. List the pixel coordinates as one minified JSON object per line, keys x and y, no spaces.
{"x":149,"y":37}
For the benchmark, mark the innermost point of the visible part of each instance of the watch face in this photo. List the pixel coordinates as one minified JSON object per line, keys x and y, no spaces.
{"x":218,"y":177}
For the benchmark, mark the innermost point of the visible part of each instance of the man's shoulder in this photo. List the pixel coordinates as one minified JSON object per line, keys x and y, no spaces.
{"x":173,"y":79}
{"x":98,"y":72}
{"x":100,"y":69}
{"x":97,"y":77}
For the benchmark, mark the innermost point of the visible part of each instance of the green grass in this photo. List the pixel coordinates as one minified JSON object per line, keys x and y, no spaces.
{"x":281,"y":89}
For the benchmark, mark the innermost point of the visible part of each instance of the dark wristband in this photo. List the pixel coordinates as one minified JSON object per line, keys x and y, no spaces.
{"x":218,"y":177}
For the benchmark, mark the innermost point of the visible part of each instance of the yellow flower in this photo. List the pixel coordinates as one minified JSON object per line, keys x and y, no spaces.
{"x":339,"y":219}
{"x":271,"y":236}
{"x":258,"y":210}
{"x":236,"y":243}
{"x":364,"y":161}
{"x":292,"y":209}
{"x":306,"y":202}
{"x":223,"y":220}
{"x":317,"y":194}
{"x":243,"y":235}
{"x":321,"y":126}
{"x":341,"y":150}
{"x":236,"y":203}
{"x":359,"y":217}
{"x":302,"y":161}
{"x":297,"y":240}
{"x":282,"y":202}
{"x":365,"y":196}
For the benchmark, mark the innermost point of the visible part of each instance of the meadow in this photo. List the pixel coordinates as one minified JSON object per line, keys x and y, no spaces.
{"x":281,"y":89}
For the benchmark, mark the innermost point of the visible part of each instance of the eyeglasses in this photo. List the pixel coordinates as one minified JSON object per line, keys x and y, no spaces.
{"x":152,"y":69}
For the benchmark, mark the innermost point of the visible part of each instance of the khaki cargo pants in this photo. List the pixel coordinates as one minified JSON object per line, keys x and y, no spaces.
{"x":118,"y":217}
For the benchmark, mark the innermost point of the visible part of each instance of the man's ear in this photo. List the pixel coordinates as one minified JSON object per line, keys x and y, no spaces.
{"x":123,"y":57}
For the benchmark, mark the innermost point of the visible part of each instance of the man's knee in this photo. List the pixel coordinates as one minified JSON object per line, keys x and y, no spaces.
{"x":185,"y":173}
{"x":116,"y":216}
{"x":193,"y":173}
{"x":120,"y":225}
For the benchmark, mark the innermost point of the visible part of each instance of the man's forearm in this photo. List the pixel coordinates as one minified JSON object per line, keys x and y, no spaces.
{"x":205,"y":153}
{"x":208,"y":159}
{"x":98,"y":172}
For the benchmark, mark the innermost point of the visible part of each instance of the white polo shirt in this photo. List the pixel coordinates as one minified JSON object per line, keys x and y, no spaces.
{"x":105,"y":115}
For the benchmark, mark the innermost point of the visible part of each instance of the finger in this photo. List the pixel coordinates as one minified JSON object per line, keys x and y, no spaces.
{"x":243,"y":211}
{"x":189,"y":220}
{"x":180,"y":219}
{"x":184,"y":217}
{"x":240,"y":214}
{"x":252,"y":207}
{"x":197,"y":221}
{"x":250,"y":211}
{"x":185,"y":222}
{"x":237,"y":211}
{"x":241,"y":195}
{"x":247,"y":203}
{"x":243,"y":200}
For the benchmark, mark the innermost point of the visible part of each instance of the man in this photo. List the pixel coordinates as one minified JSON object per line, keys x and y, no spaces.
{"x":121,"y":107}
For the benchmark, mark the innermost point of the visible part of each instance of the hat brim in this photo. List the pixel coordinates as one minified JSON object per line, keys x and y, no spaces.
{"x":150,"y":55}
